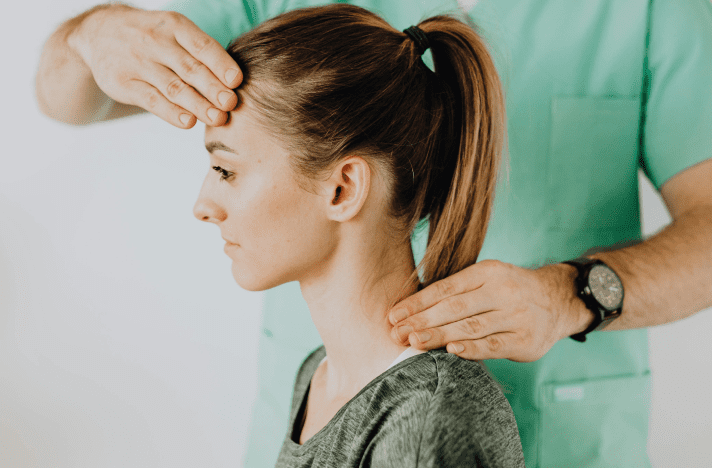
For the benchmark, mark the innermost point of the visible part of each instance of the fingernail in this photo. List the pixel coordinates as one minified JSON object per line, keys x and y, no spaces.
{"x":403,"y":332}
{"x":456,"y":347}
{"x":399,"y":315}
{"x":224,"y":96}
{"x":185,"y":118}
{"x":230,"y":75}
{"x":213,"y":114}
{"x":423,"y":336}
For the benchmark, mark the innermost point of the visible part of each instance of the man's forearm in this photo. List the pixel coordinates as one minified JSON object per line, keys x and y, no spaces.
{"x":666,"y":278}
{"x":64,"y":86}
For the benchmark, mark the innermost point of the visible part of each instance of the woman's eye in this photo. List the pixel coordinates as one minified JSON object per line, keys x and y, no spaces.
{"x":224,"y":175}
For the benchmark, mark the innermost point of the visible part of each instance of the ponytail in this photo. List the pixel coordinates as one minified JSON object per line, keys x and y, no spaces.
{"x":471,"y":137}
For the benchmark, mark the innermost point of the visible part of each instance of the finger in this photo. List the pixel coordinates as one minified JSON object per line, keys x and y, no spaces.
{"x":451,"y":309}
{"x":495,"y":346}
{"x":471,"y":278}
{"x":469,"y":328}
{"x":185,"y":96}
{"x":210,"y":53}
{"x":191,"y":71}
{"x":148,"y":97}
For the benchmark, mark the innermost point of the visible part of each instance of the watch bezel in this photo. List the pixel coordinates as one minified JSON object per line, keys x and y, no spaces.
{"x":601,"y":264}
{"x":602,"y":316}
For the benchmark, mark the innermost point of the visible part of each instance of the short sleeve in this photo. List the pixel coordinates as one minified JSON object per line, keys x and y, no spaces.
{"x":470,"y":425}
{"x":224,"y":20}
{"x":677,"y":131}
{"x":464,"y":421}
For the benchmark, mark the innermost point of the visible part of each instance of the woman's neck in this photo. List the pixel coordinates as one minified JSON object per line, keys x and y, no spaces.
{"x":348,"y":299}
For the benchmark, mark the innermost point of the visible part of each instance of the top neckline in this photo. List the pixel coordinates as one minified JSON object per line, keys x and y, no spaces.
{"x":409,"y":352}
{"x":298,"y":449}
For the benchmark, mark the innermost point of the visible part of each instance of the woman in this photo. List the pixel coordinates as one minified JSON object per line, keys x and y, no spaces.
{"x":343,"y":141}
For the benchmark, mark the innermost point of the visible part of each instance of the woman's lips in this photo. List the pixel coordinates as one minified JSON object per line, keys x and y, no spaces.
{"x":229,"y":246}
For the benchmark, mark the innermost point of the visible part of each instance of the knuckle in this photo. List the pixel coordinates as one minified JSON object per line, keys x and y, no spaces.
{"x":494,"y":344}
{"x":171,"y":16}
{"x":444,"y":288}
{"x":190,"y":66}
{"x":456,"y":304}
{"x":175,"y":87}
{"x":201,"y":42}
{"x":152,"y":100}
{"x":474,"y":325}
{"x":157,"y":28}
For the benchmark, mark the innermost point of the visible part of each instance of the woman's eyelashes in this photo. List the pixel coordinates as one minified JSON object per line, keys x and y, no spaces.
{"x":224,"y":175}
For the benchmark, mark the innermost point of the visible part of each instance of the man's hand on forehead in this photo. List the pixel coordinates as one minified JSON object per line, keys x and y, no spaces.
{"x":159,"y":61}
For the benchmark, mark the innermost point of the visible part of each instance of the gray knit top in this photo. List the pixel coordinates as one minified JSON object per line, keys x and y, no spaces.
{"x":430,"y":410}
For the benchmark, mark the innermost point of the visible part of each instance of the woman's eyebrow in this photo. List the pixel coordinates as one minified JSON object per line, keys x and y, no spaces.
{"x":213,"y":146}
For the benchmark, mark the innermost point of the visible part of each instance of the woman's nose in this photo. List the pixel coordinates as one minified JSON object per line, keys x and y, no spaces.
{"x":205,"y":208}
{"x":206,"y":211}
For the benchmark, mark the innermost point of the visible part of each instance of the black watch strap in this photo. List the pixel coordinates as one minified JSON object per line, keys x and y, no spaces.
{"x":584,"y":264}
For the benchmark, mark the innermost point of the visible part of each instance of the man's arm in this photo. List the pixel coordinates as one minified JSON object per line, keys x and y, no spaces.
{"x":115,"y":60}
{"x":669,"y":276}
{"x":509,"y":312}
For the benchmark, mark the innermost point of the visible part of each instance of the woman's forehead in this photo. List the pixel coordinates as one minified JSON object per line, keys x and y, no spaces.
{"x":244,"y":137}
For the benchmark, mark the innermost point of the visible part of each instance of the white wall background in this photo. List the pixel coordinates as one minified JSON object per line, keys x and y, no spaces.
{"x":124,"y":340}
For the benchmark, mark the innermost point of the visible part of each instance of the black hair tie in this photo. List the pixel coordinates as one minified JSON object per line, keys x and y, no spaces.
{"x":419,"y":37}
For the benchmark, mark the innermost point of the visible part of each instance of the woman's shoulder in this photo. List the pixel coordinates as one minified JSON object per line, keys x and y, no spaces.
{"x":453,"y":384}
{"x":454,"y":370}
{"x":467,"y":388}
{"x":456,"y":412}
{"x":438,"y":367}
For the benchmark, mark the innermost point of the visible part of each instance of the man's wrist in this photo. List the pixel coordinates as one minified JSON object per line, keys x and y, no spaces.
{"x":79,"y":28}
{"x":575,"y":316}
{"x":76,"y":29}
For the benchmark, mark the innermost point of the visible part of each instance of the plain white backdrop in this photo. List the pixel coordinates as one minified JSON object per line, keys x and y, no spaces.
{"x":124,"y":340}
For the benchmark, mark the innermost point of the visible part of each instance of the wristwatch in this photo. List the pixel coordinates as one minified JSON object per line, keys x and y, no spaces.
{"x":601,"y":290}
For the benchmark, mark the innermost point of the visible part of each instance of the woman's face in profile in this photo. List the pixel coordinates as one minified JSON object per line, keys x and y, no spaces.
{"x":276,"y":232}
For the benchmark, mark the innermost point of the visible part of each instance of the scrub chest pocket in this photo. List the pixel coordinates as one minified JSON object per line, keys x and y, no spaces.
{"x":592,"y":177}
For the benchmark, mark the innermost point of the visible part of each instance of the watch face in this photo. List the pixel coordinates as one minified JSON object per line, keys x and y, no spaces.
{"x":605,"y":287}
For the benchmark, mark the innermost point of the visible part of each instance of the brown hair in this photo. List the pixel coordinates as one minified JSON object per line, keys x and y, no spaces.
{"x":338,"y":79}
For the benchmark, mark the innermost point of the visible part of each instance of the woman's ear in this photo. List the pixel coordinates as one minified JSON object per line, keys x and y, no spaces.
{"x":348,"y":188}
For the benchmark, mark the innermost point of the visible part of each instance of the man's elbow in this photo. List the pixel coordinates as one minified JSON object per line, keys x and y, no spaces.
{"x":63,"y":112}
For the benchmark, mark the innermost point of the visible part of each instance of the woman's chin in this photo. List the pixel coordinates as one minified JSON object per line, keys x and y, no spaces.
{"x":251,"y":283}
{"x":248,"y":284}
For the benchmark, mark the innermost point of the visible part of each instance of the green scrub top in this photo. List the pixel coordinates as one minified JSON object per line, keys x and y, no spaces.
{"x":595,"y":90}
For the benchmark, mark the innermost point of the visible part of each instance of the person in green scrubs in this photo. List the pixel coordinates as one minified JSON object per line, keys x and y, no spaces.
{"x":595,"y":90}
